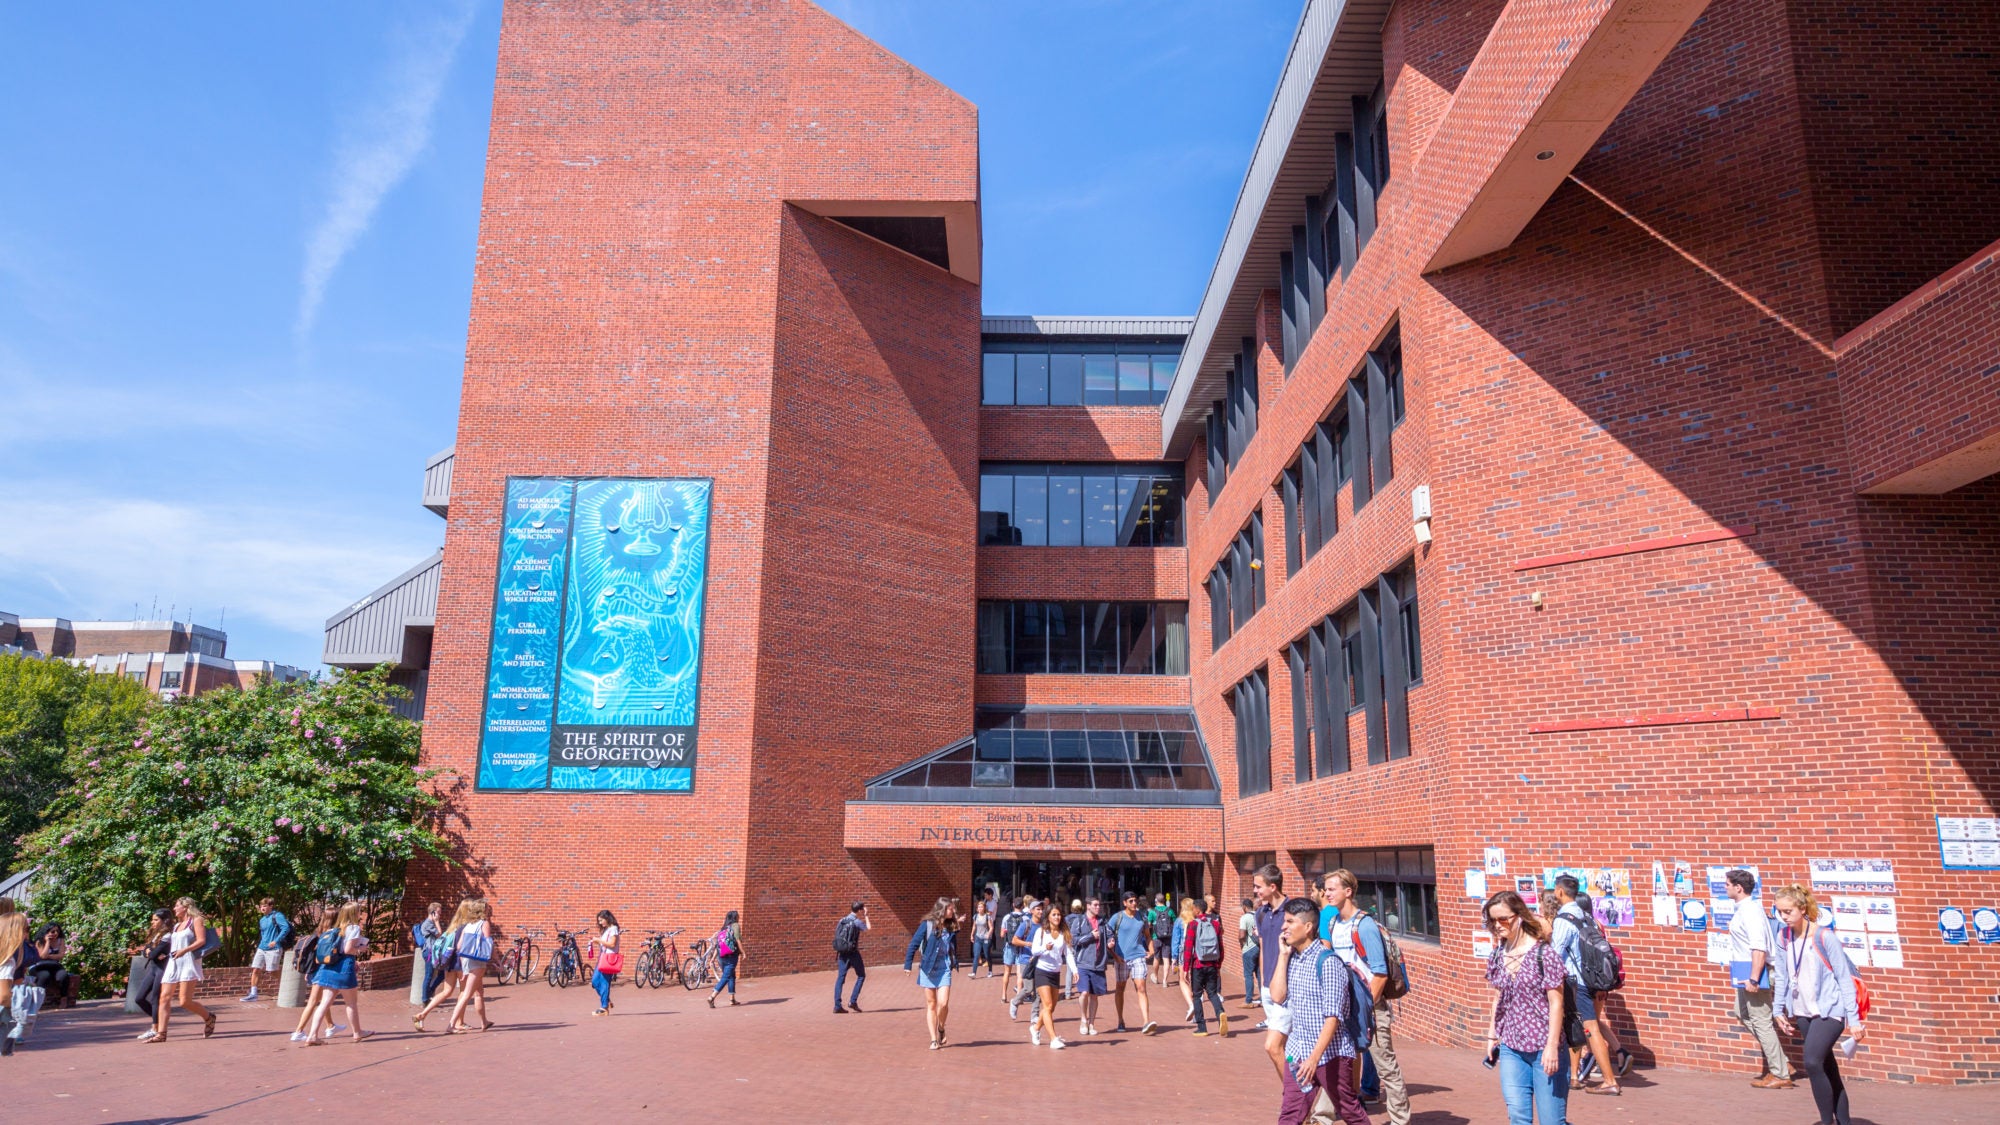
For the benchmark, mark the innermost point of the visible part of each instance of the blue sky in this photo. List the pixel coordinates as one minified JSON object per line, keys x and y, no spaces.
{"x":236,"y":246}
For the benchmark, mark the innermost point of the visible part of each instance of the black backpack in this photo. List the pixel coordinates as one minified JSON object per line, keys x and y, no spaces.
{"x":1163,"y":925}
{"x":1599,"y":964}
{"x":846,"y":936}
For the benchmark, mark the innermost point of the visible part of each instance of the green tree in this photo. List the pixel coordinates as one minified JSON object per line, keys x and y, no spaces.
{"x":49,"y":712}
{"x":305,"y":792}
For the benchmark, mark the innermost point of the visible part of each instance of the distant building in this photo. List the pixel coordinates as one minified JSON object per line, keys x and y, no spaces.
{"x":169,"y":657}
{"x":393,"y":624}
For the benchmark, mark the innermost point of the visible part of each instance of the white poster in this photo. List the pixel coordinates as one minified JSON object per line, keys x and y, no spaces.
{"x":1879,"y":915}
{"x":1885,"y":951}
{"x":1850,"y":913}
{"x":1665,"y":913}
{"x":1856,"y":945}
{"x":1475,"y":884}
{"x":1496,"y":861}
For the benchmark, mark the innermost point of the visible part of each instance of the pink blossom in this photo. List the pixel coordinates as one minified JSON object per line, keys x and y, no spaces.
{"x":310,"y":732}
{"x":284,"y":820}
{"x":67,"y":837}
{"x":298,"y":828}
{"x":324,"y":828}
{"x":295,"y":718}
{"x":186,"y":782}
{"x":270,"y":839}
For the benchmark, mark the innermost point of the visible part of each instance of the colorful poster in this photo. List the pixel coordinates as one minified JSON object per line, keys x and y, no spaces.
{"x":1986,"y":925}
{"x":1550,"y":874}
{"x":1530,"y":893}
{"x":1496,"y":861}
{"x":593,"y":680}
{"x":1683,"y":879}
{"x":1609,"y":881}
{"x":527,"y":634}
{"x":1660,"y":878}
{"x":1694,"y":916}
{"x":1612,"y":910}
{"x":1951,"y":924}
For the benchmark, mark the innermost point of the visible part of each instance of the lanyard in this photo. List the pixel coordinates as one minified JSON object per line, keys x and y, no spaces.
{"x":1798,"y":954}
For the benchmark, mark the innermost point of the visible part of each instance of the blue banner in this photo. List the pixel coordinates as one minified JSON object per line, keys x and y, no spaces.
{"x":527,"y":632}
{"x":608,"y":696}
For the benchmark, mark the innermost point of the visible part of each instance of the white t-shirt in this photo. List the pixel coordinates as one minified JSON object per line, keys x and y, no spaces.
{"x":608,"y":937}
{"x":1247,"y":925}
{"x":353,"y":933}
{"x":1806,"y":971}
{"x":1343,"y":939}
{"x":1049,"y":951}
{"x":1749,"y":932}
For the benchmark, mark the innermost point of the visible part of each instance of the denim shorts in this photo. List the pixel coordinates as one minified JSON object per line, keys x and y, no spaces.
{"x":925,"y":980}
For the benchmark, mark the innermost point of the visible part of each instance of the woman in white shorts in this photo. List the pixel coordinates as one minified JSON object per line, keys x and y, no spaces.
{"x":184,"y":954}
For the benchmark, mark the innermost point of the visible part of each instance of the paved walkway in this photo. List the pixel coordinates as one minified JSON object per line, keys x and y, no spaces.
{"x":782,"y":1056}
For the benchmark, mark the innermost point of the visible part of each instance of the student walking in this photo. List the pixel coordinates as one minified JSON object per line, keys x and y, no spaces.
{"x":13,"y":958}
{"x":475,"y":951}
{"x":1246,"y":937}
{"x":426,"y":935}
{"x":1524,"y":1036}
{"x":1073,"y":920}
{"x":1050,"y":952}
{"x":339,"y":953}
{"x":1037,"y":915}
{"x":982,"y":940}
{"x":934,"y":949}
{"x":1816,"y":997}
{"x":1365,"y":948}
{"x":1129,"y":936}
{"x":1310,"y":983}
{"x":274,"y":936}
{"x":1009,"y":960}
{"x":449,"y":979}
{"x":1160,"y":924}
{"x":1267,"y":885}
{"x":144,"y":984}
{"x":186,"y":946}
{"x":728,"y":952}
{"x":1091,"y":944}
{"x":305,"y":956}
{"x":1572,"y":920}
{"x":847,"y":950}
{"x":1201,"y":964}
{"x":610,"y":962}
{"x":1178,"y":949}
{"x":1750,"y":971}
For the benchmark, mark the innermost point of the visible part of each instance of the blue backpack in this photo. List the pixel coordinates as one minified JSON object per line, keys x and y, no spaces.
{"x":327,"y":952}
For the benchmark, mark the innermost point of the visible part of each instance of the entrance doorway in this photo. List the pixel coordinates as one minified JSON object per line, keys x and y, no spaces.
{"x":1069,"y":881}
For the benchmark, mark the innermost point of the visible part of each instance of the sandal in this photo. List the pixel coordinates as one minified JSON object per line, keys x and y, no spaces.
{"x":417,"y":1022}
{"x":364,"y":1035}
{"x":1606,"y":1090}
{"x":711,"y":1001}
{"x":208,"y":1026}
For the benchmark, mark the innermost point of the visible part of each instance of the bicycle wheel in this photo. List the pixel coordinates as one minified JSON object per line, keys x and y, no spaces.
{"x":656,"y":975}
{"x":692,"y":974}
{"x":527,"y":969}
{"x":553,"y":973}
{"x":641,"y":969}
{"x":504,"y":967}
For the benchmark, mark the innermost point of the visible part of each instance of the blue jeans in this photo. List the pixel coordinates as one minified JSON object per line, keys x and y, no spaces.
{"x":728,"y":977}
{"x":1249,"y":974}
{"x":1531,"y":1094}
{"x":602,"y":984}
{"x":979,"y":950}
{"x":849,"y":962}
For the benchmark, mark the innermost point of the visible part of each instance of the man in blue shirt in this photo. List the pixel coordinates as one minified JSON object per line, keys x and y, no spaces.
{"x":1568,"y":941}
{"x":274,"y":932}
{"x":1129,"y":938}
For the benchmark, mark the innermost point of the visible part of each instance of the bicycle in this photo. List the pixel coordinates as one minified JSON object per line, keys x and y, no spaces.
{"x":702,"y":968}
{"x":658,"y":961}
{"x":517,"y":965}
{"x":566,"y":963}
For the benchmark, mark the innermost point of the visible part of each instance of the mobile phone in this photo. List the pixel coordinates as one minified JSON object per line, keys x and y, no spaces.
{"x":1492,"y":1058}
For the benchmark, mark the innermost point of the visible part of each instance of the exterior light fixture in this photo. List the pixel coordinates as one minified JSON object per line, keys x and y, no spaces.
{"x":1420,"y":513}
{"x":1535,"y":599}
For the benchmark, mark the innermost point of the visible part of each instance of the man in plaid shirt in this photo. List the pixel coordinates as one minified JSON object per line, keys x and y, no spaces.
{"x":1311,"y":983}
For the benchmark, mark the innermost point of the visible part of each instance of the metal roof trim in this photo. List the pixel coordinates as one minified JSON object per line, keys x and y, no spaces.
{"x":1085,"y":325}
{"x":436,"y":558}
{"x":1304,"y":62}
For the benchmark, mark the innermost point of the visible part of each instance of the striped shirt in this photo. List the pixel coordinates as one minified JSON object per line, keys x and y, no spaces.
{"x":1316,"y":991}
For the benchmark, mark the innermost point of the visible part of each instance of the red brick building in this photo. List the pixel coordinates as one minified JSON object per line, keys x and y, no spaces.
{"x":171,"y":658}
{"x":1581,"y":458}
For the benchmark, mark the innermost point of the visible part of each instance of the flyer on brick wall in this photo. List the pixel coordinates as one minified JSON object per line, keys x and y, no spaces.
{"x":1967,"y":843}
{"x":1856,"y":945}
{"x":1885,"y":951}
{"x":1853,"y":876}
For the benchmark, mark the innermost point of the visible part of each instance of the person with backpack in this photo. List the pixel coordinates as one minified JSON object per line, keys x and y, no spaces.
{"x":1009,"y":924}
{"x":424,"y":935}
{"x":847,"y":952}
{"x":1019,"y":937}
{"x":728,"y":952}
{"x":1160,"y":924}
{"x":1246,"y":937}
{"x":1091,"y":941}
{"x":338,"y":954}
{"x":441,"y":953}
{"x":1750,"y":946}
{"x":1377,"y":965}
{"x":933,"y":947}
{"x":1816,"y":997}
{"x":274,"y":932}
{"x":1525,"y":1038}
{"x":1310,"y":984}
{"x":1582,"y":946}
{"x":1201,"y":967}
{"x":982,"y":940}
{"x":1128,"y":961}
{"x":188,"y":944}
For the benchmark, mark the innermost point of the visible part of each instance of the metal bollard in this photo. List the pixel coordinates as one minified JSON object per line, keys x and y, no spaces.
{"x":292,"y":990}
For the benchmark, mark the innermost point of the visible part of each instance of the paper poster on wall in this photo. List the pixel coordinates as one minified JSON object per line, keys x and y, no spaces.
{"x":1683,"y":879}
{"x":1968,"y":843}
{"x":1525,"y":886}
{"x":1665,"y":913}
{"x":1718,"y":948}
{"x":1721,"y":911}
{"x":595,"y":660}
{"x":1475,"y":884}
{"x":1885,"y":951}
{"x":1951,"y":924}
{"x":1611,"y":881}
{"x":1856,"y":946}
{"x":1580,"y":874}
{"x":1986,"y":925}
{"x":1660,"y":886}
{"x":1482,"y":944}
{"x":1496,"y":861}
{"x":1850,"y":913}
{"x":1612,"y":910}
{"x":1694,"y":916}
{"x":1718,"y":881}
{"x":1853,"y":876}
{"x":1878,"y":914}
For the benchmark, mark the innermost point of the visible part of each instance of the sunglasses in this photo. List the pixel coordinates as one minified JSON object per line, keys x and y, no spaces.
{"x":1500,"y":922}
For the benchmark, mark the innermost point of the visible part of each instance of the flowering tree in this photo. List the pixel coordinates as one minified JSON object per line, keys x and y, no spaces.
{"x":303,"y":791}
{"x":49,"y":713}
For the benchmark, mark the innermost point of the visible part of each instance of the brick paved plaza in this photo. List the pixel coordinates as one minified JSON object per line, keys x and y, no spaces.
{"x":783,"y":1056}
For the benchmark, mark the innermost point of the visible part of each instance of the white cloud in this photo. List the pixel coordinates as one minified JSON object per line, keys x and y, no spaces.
{"x":288,"y":568}
{"x":381,"y":145}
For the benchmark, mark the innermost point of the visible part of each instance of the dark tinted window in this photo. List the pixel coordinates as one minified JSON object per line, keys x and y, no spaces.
{"x":1097,"y":638}
{"x":1093,"y":505}
{"x":1100,"y":380}
{"x":1065,"y":379}
{"x":997,"y":381}
{"x":1031,"y":380}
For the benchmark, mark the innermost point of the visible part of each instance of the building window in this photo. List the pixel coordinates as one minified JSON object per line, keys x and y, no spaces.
{"x":1236,"y":585}
{"x":1240,"y":389}
{"x":170,"y":681}
{"x":1023,"y":375}
{"x":1090,"y":505}
{"x":1321,"y":689}
{"x":1364,"y":657}
{"x":1311,"y":489}
{"x":1397,"y":885}
{"x":1251,"y":699}
{"x":1083,"y":638}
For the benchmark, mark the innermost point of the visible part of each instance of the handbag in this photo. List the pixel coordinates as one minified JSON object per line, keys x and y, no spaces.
{"x":475,"y":946}
{"x":610,"y":963}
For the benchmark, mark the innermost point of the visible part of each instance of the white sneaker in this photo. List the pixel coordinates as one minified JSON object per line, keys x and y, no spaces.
{"x":298,"y":1036}
{"x":1189,"y":1017}
{"x":250,"y":998}
{"x":1057,"y":1044}
{"x":1013,"y":1010}
{"x":1035,"y":1036}
{"x":148,"y":1035}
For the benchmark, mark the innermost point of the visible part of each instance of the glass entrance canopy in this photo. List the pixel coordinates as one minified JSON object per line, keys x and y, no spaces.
{"x":1063,"y":757}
